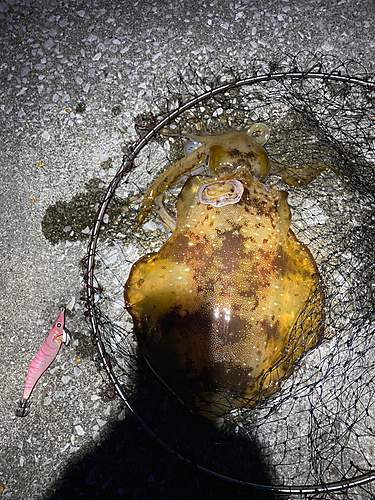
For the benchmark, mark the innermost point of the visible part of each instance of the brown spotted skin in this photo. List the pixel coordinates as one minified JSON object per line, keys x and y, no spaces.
{"x":215,"y":310}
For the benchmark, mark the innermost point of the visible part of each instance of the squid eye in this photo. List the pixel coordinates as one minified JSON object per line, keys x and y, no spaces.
{"x":260,"y":132}
{"x":58,"y":325}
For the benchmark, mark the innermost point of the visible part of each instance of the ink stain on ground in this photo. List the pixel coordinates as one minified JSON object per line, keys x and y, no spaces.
{"x":84,"y":348}
{"x":73,"y":220}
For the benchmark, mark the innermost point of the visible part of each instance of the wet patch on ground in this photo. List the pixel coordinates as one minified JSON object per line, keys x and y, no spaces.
{"x":73,"y":220}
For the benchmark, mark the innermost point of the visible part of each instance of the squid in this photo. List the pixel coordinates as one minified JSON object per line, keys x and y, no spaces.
{"x":227,"y":306}
{"x":42,"y":360}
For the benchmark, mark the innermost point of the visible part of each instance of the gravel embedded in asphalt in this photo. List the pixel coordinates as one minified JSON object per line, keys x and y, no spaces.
{"x":75,"y":77}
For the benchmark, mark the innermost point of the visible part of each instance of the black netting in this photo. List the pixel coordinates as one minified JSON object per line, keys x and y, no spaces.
{"x":319,"y":427}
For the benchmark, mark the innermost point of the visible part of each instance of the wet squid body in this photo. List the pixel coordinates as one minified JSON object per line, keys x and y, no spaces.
{"x":229,"y":303}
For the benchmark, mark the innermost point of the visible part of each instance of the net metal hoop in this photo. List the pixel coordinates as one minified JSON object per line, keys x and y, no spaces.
{"x":92,"y":289}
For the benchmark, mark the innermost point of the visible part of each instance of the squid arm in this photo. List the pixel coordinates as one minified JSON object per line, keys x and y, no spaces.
{"x":168,"y":177}
{"x":42,"y":360}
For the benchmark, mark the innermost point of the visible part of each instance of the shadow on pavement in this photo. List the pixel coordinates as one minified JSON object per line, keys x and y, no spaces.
{"x":129,"y":464}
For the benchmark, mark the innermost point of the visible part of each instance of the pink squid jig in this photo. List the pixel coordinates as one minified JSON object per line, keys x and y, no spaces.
{"x":48,"y":352}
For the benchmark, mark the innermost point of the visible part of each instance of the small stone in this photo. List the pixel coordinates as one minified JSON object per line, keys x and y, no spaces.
{"x":79,"y":430}
{"x":150,"y":225}
{"x":72,"y":300}
{"x":47,"y":401}
{"x":327,"y":46}
{"x":21,"y":92}
{"x":107,"y":484}
{"x":66,"y":379}
{"x":91,"y":477}
{"x":48,"y":43}
{"x":65,"y":448}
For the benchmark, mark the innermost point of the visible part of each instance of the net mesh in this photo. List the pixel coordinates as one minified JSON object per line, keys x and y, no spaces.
{"x":318,"y":428}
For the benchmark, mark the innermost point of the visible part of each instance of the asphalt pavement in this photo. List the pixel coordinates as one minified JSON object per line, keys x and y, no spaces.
{"x":75,"y":78}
